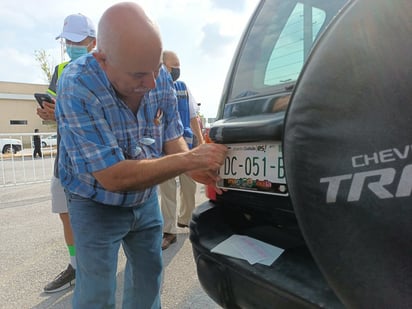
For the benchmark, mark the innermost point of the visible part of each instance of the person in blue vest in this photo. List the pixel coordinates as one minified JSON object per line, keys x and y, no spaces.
{"x":187,"y":111}
{"x":79,"y":35}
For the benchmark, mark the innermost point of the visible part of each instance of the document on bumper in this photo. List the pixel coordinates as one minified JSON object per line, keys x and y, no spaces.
{"x":249,"y":249}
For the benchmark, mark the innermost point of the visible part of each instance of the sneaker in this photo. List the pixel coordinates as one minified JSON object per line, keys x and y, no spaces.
{"x":63,"y":280}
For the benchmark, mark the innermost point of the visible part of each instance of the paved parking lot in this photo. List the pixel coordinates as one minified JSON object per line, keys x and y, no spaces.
{"x":32,"y":252}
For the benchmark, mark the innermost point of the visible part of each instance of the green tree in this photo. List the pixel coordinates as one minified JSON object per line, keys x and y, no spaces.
{"x":45,"y":62}
{"x":47,"y":67}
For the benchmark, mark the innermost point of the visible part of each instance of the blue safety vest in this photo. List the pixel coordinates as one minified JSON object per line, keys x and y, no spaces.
{"x":184,"y":111}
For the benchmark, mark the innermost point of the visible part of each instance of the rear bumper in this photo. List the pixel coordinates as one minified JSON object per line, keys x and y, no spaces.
{"x":292,"y":281}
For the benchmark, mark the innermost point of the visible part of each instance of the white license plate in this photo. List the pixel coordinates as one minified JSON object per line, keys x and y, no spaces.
{"x":256,"y":167}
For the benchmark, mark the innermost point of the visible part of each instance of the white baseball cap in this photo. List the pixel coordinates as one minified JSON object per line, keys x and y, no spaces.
{"x":77,"y":27}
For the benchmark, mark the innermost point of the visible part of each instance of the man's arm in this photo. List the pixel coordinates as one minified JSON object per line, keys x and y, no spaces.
{"x":202,"y":163}
{"x":194,"y":124}
{"x":47,"y":112}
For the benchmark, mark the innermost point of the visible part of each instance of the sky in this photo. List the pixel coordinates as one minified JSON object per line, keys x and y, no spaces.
{"x":203,"y":33}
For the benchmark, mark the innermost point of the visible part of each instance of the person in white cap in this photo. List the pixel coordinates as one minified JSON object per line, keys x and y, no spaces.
{"x":79,"y":36}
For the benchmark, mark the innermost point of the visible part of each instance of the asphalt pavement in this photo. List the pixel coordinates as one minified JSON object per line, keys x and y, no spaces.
{"x":33,"y":252}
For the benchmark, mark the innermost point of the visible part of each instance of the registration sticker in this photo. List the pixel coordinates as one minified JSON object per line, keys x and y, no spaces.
{"x":256,"y":167}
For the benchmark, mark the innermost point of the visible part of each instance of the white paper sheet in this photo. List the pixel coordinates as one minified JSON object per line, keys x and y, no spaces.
{"x":249,"y":249}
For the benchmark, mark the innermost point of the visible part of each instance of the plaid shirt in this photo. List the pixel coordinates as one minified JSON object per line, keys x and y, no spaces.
{"x":98,"y":130}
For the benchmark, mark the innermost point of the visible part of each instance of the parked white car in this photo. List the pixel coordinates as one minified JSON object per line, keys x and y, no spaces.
{"x":10,"y":145}
{"x":49,"y":141}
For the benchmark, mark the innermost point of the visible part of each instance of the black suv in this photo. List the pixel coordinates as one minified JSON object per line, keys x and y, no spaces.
{"x":317,"y":114}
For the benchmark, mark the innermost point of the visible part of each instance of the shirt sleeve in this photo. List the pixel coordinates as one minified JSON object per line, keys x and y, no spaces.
{"x":192,"y":104}
{"x":82,"y":122}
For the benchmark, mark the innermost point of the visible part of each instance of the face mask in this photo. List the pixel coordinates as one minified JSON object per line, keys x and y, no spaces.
{"x":75,"y":51}
{"x":175,"y":73}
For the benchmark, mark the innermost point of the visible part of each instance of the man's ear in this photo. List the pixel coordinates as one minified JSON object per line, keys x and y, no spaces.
{"x":94,"y":42}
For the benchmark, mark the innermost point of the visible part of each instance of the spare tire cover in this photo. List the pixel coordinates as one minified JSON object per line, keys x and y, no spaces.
{"x":348,"y":154}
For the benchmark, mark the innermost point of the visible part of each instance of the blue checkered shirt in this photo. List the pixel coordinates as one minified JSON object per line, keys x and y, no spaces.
{"x":98,"y":130}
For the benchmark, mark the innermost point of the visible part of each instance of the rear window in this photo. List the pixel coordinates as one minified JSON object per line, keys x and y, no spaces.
{"x":278,"y":44}
{"x":291,"y":49}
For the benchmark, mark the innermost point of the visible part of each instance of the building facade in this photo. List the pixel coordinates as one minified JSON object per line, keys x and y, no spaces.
{"x":18,"y":108}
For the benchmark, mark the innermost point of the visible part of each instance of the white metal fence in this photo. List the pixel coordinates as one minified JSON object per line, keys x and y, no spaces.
{"x":21,"y":167}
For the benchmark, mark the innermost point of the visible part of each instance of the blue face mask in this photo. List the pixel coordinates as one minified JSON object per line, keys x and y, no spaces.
{"x":75,"y":51}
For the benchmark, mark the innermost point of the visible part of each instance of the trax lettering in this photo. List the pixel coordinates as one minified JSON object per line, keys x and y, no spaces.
{"x":386,"y":177}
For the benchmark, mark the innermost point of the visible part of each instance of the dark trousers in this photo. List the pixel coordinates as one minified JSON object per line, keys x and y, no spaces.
{"x":37,"y":151}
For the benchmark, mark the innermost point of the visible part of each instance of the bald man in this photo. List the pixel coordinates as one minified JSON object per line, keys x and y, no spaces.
{"x":120,"y":137}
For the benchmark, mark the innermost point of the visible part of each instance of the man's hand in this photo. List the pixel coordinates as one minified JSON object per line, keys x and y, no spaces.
{"x":213,"y":156}
{"x":207,"y":179}
{"x":47,"y":112}
{"x":209,"y":157}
